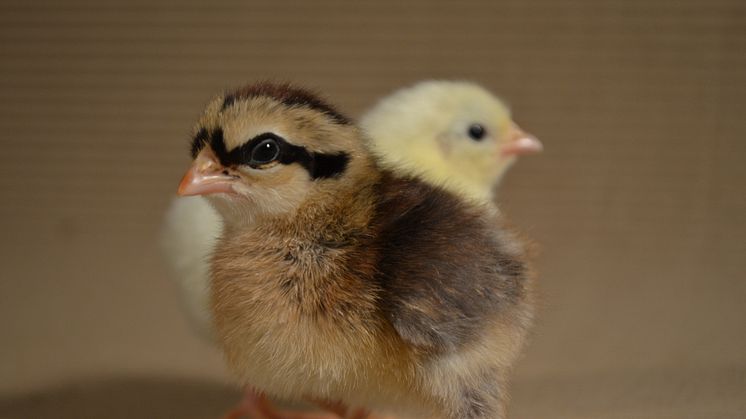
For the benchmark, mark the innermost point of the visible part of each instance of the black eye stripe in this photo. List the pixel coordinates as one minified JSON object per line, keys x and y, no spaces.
{"x":318,"y":165}
{"x":217,"y":143}
{"x":198,"y":142}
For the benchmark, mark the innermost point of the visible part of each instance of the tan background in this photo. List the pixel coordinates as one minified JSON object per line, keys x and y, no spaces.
{"x":638,"y":201}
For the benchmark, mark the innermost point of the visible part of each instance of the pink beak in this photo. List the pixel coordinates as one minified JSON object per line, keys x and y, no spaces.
{"x":206,"y":176}
{"x":520,"y":143}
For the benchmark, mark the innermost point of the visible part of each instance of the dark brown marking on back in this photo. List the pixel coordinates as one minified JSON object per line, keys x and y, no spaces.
{"x":443,"y":268}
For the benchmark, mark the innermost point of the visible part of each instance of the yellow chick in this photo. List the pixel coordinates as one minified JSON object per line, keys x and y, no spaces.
{"x":453,"y":133}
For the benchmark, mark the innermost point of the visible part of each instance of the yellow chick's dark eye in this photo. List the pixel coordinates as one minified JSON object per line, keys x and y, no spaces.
{"x":265,"y":152}
{"x":476,"y":132}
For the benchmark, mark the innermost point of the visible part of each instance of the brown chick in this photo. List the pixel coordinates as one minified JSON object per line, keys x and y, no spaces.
{"x":337,"y":279}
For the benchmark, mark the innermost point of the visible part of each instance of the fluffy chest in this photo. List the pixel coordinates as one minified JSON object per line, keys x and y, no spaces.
{"x":293,"y":316}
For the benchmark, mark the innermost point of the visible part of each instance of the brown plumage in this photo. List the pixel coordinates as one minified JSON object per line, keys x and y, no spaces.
{"x":337,"y":279}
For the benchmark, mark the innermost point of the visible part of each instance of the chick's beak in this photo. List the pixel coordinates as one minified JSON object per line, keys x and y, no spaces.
{"x":206,"y":176}
{"x":520,"y":142}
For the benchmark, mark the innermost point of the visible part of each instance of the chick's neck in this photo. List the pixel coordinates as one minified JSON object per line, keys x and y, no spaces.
{"x":335,"y":211}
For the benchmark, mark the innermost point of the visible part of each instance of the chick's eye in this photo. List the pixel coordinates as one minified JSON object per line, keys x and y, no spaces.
{"x":265,"y":152}
{"x":476,"y":132}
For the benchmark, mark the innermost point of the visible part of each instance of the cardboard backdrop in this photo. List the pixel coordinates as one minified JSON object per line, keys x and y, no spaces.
{"x":638,"y":202}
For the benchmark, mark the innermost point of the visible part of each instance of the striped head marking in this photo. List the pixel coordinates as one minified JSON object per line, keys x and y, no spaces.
{"x":265,"y":147}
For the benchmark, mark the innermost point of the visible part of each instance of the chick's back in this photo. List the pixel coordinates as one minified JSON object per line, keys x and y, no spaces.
{"x":447,"y":267}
